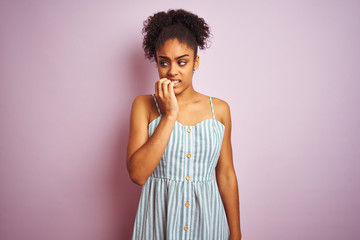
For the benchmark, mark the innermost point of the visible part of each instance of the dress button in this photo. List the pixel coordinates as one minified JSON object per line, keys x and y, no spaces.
{"x":186,"y":228}
{"x":187,"y":177}
{"x":188,"y":130}
{"x":188,"y":155}
{"x":187,"y":204}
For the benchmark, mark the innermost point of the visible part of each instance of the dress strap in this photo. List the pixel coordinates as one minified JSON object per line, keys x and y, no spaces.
{"x":212,"y":108}
{"x":157,"y":106}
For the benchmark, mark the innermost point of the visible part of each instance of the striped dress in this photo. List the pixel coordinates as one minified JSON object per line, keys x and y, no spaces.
{"x":181,"y":199}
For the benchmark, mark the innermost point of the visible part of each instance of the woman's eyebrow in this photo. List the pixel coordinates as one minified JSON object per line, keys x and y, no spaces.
{"x":176,"y":57}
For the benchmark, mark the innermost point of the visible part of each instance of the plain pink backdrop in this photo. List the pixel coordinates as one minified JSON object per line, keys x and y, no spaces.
{"x":69,"y":71}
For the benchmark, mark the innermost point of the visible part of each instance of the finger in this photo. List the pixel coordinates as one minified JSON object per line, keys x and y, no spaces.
{"x":171,"y":89}
{"x":165,"y":87}
{"x":156,"y":89}
{"x":160,"y":90}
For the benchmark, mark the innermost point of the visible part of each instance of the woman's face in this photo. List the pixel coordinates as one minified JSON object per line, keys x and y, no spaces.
{"x":175,"y":61}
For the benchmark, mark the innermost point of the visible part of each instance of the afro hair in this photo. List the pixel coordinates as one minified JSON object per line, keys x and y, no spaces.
{"x":185,"y":26}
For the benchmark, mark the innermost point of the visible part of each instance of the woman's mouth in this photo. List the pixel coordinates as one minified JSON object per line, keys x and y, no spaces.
{"x":176,"y":82}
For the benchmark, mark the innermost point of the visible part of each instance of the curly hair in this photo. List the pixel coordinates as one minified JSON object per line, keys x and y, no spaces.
{"x":185,"y":26}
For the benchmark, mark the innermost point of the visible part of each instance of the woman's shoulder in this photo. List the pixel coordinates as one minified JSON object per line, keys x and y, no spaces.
{"x":143,"y":99}
{"x":143,"y":103}
{"x":220,"y":104}
{"x":221,"y":109}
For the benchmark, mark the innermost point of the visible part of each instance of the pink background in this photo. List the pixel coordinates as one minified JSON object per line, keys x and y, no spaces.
{"x":69,"y":71}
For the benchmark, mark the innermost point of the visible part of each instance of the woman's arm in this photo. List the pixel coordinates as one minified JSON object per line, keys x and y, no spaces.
{"x":226,"y":176}
{"x":144,"y":153}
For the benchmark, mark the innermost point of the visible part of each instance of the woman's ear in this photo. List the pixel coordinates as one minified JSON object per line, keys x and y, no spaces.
{"x":196,"y":63}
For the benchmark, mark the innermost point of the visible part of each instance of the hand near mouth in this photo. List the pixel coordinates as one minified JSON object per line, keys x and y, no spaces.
{"x":164,"y":93}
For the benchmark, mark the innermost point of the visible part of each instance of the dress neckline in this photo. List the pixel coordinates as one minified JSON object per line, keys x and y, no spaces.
{"x":202,"y":121}
{"x":212,"y":110}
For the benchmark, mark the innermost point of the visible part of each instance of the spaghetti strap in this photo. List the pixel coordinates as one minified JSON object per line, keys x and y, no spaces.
{"x":157,"y":106}
{"x":212,"y":108}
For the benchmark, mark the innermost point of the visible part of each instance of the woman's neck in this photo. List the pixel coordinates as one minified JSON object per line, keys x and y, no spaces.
{"x":187,"y":96}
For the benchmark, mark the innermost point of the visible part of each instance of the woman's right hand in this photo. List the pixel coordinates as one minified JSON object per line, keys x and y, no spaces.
{"x":144,"y":152}
{"x":164,"y":93}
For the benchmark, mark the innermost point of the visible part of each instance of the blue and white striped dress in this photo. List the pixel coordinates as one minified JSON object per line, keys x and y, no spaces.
{"x":181,"y":199}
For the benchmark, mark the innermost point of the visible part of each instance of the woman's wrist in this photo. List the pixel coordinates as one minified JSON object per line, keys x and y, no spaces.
{"x":170,"y":117}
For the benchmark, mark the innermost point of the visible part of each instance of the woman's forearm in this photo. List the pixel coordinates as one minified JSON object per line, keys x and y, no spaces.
{"x":228,"y":188}
{"x":144,"y":161}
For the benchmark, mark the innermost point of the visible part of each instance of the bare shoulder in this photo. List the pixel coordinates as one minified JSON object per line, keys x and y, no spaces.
{"x":143,"y":101}
{"x":221,"y":109}
{"x":220,"y":106}
{"x":142,"y":105}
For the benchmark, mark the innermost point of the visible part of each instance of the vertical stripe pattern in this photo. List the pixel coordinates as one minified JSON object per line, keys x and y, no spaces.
{"x":181,"y":199}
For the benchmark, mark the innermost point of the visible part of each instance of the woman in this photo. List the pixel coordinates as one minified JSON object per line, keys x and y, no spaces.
{"x":178,"y":139}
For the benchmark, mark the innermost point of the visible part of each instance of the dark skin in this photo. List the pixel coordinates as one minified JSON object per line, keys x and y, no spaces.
{"x":180,"y":102}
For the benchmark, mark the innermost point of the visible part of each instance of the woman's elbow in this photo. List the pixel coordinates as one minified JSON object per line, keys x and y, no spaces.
{"x":135,"y":177}
{"x":135,"y":173}
{"x":137,"y":180}
{"x":226,"y":176}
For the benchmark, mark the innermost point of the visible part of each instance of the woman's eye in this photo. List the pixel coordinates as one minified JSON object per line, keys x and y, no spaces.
{"x":163,"y":64}
{"x":182,"y":63}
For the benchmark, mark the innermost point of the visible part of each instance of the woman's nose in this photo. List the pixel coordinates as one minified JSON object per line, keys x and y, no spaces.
{"x":173,"y":71}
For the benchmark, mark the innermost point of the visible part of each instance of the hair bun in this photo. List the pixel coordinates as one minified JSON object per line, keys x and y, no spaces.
{"x":153,"y":26}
